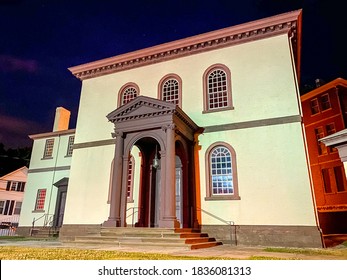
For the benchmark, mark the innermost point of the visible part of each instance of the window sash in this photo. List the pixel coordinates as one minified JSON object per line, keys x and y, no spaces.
{"x":70,"y":145}
{"x":40,"y":199}
{"x":221,"y":172}
{"x":48,"y":152}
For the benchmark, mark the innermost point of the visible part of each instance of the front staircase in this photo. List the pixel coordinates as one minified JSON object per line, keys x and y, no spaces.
{"x":189,"y":239}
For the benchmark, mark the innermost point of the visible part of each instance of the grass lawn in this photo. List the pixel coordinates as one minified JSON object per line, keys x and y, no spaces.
{"x":28,"y":253}
{"x":36,"y":253}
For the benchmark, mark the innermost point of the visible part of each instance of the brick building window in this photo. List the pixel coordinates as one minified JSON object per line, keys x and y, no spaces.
{"x":340,"y":178}
{"x":325,"y":102}
{"x":322,"y":149}
{"x":314,"y":106}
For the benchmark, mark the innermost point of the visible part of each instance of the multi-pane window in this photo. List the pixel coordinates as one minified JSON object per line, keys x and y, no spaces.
{"x":340,"y":178}
{"x":217,"y":90}
{"x":15,"y":186}
{"x":170,"y":91}
{"x":128,"y":94}
{"x":40,"y":199}
{"x":325,"y":102}
{"x":6,"y":207}
{"x":322,"y":149}
{"x":69,"y":146}
{"x":48,"y":148}
{"x":221,"y":172}
{"x":17,"y":208}
{"x":321,"y":104}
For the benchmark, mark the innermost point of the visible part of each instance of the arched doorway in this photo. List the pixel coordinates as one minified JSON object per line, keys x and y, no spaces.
{"x":165,"y":137}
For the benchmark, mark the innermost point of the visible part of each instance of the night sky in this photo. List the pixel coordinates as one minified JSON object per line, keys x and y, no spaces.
{"x":40,"y":39}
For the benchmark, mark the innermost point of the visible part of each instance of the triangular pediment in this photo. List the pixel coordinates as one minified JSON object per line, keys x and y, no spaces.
{"x":141,"y":107}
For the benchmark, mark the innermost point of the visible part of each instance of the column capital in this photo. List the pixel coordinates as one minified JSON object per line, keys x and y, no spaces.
{"x":117,"y":134}
{"x":170,"y":126}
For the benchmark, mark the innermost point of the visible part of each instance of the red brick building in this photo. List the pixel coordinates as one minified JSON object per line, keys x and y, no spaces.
{"x":324,"y":113}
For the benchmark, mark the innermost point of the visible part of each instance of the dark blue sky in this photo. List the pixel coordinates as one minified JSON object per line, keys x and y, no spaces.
{"x":40,"y":39}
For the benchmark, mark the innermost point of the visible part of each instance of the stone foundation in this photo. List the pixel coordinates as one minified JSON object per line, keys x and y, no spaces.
{"x":245,"y":235}
{"x":274,"y":236}
{"x":23,"y":231}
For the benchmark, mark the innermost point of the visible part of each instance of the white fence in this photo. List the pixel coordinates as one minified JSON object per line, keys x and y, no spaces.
{"x":9,"y":225}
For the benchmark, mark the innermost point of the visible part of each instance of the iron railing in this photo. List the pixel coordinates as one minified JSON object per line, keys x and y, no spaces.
{"x":134,"y":210}
{"x":230,"y":223}
{"x":49,"y":221}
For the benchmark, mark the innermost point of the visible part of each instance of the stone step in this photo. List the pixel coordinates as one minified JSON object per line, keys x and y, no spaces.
{"x":190,"y":239}
{"x":44,"y":232}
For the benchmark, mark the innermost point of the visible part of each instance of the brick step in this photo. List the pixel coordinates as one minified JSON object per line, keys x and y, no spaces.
{"x":205,"y":245}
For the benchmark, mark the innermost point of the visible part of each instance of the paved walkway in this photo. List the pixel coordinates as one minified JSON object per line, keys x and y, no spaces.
{"x":226,"y":251}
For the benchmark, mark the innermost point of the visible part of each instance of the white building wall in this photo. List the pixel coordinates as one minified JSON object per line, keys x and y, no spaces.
{"x":43,"y":174}
{"x":263,"y":87}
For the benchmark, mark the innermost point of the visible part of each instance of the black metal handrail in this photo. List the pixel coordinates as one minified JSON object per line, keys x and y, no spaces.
{"x":230,"y":223}
{"x":134,"y":211}
{"x":48,"y":219}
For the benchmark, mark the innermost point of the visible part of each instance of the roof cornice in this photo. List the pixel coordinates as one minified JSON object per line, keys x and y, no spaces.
{"x":52,"y":134}
{"x":289,"y":23}
{"x":334,"y":83}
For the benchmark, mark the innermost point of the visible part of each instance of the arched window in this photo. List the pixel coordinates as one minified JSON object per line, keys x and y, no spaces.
{"x":127,"y":93}
{"x":170,"y":89}
{"x":217,"y":88}
{"x":221,"y":172}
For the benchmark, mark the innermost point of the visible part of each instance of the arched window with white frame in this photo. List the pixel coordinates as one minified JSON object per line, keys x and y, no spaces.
{"x":221,"y":172}
{"x":217,"y":88}
{"x":127,"y":93}
{"x":170,"y":89}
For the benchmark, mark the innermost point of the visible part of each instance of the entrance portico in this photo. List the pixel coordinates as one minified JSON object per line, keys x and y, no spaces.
{"x":163,"y":133}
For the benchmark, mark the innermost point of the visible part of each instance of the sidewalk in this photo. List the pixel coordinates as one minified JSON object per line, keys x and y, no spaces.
{"x":224,"y":251}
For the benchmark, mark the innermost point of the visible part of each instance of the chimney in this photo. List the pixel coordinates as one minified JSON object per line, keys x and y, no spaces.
{"x":62,"y":119}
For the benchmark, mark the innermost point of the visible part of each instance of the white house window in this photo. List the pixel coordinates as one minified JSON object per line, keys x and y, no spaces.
{"x":17,"y":208}
{"x":2,"y":206}
{"x":7,"y":207}
{"x":15,"y":186}
{"x":69,"y":146}
{"x":48,"y":148}
{"x":40,"y":200}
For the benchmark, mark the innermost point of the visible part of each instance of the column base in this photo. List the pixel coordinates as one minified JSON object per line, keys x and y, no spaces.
{"x":169,"y":223}
{"x":111,"y":223}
